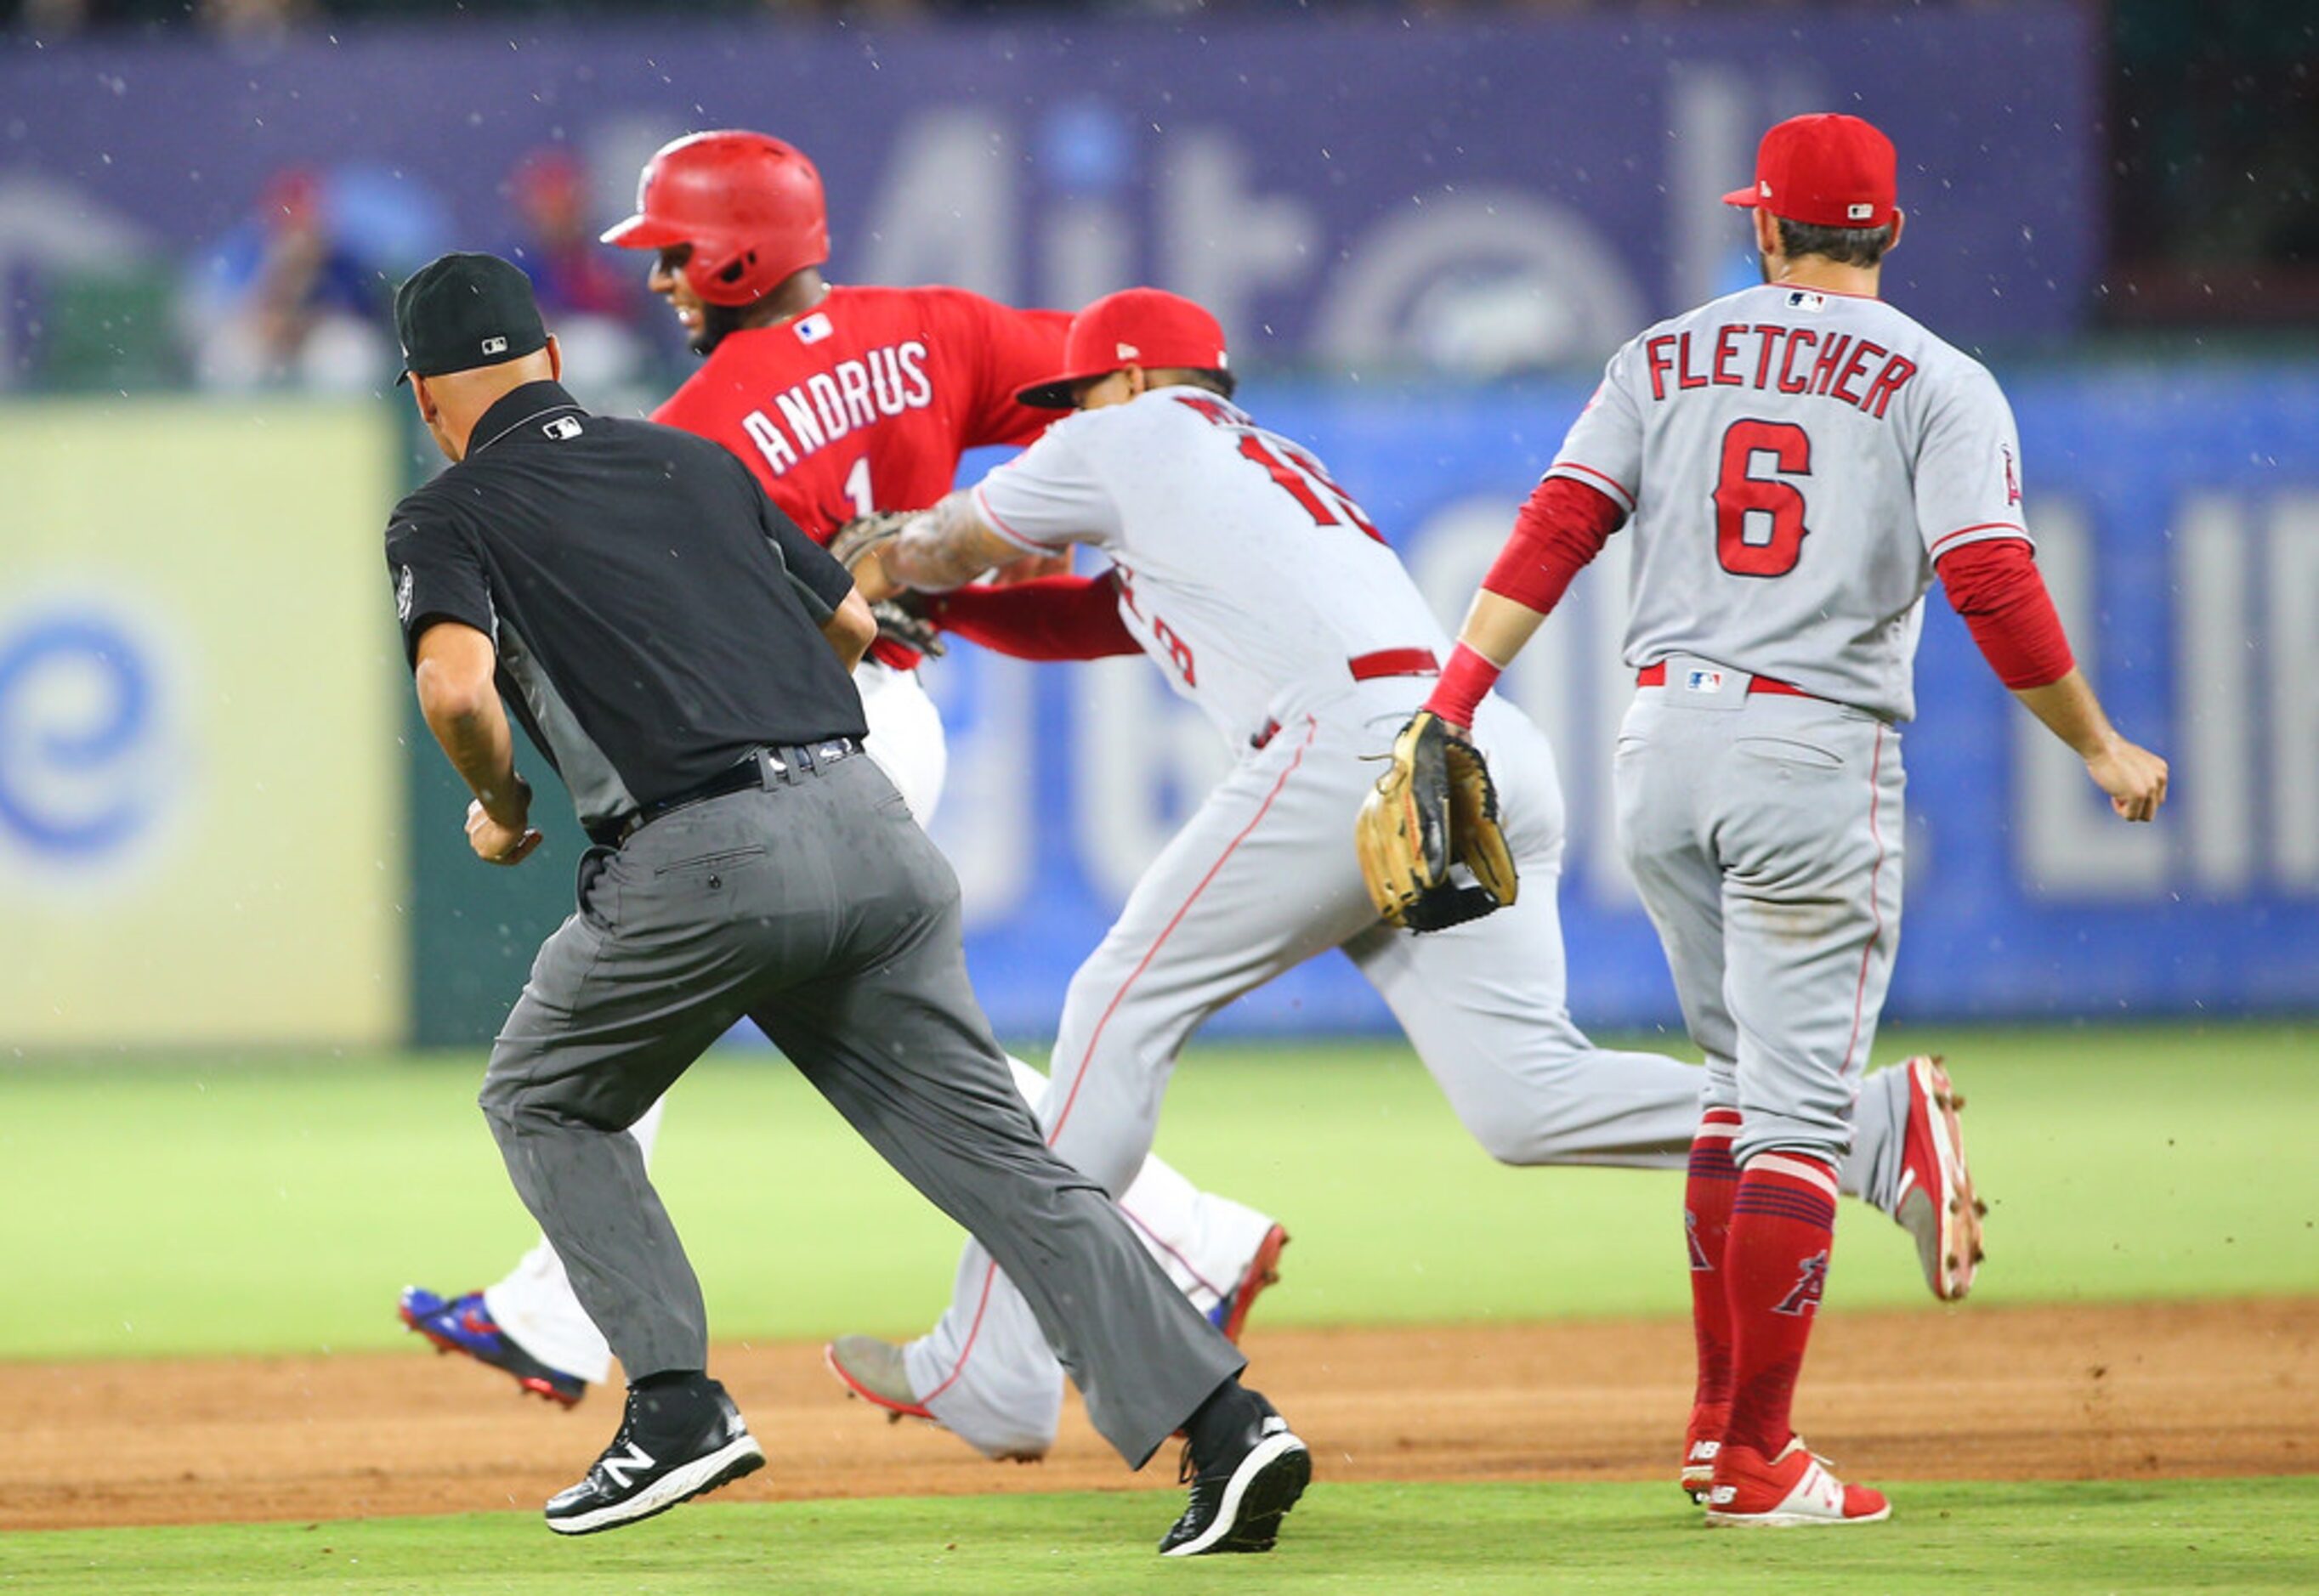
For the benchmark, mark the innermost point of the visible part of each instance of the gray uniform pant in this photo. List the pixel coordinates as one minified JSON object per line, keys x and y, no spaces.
{"x":818,"y":909}
{"x":1765,"y":832}
{"x":1262,"y":878}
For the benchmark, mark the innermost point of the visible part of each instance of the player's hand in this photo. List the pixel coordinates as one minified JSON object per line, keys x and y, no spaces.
{"x":859,"y":546}
{"x":2133,"y":777}
{"x":498,"y":843}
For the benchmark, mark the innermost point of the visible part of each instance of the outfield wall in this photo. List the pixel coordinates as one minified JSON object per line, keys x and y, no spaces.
{"x":205,"y":811}
{"x":201,"y":824}
{"x":2179,"y":515}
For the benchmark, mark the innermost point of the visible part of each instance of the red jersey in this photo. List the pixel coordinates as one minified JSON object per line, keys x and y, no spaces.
{"x":867,"y":401}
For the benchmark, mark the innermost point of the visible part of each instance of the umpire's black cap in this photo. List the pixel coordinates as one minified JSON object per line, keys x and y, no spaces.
{"x":461,"y":310}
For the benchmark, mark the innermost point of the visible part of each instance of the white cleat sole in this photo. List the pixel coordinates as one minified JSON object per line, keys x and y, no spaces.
{"x":729,"y":1462}
{"x":1792,"y":1520}
{"x":1263,"y":1488}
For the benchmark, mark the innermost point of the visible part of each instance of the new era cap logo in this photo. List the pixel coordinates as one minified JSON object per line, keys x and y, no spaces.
{"x":495,"y":346}
{"x":1126,"y":351}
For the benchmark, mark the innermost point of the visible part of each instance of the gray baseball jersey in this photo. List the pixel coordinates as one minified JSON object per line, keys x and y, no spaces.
{"x":1794,"y":461}
{"x":1267,"y":598}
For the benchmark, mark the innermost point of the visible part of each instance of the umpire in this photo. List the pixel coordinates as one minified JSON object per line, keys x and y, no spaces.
{"x":679,"y":651}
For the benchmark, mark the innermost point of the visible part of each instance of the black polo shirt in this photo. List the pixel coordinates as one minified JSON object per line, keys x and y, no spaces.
{"x":656,"y":616}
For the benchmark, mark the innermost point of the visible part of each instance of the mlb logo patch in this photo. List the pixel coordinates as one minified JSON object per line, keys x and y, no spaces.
{"x":1703,"y":681}
{"x":813,"y":328}
{"x":495,"y":346}
{"x":562,"y":429}
{"x":1804,"y":299}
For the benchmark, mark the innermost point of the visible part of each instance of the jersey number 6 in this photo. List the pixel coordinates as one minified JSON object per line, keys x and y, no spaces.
{"x":1768,"y":507}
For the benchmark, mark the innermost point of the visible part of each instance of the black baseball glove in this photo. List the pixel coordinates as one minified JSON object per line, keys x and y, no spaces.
{"x":902,"y":618}
{"x":1435,"y":807}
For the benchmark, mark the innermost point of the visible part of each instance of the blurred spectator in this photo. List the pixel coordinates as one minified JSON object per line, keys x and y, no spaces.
{"x":255,"y":20}
{"x":283,"y":302}
{"x":594,"y":302}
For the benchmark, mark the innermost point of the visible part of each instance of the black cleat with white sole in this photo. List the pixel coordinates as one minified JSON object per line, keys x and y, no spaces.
{"x":1240,"y":1496}
{"x":675,"y":1442}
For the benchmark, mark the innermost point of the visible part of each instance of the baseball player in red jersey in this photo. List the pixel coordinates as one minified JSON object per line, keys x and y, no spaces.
{"x":1798,"y":462}
{"x":841,"y":401}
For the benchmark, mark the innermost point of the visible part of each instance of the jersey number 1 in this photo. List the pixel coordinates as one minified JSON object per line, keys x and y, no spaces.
{"x":1771,"y":508}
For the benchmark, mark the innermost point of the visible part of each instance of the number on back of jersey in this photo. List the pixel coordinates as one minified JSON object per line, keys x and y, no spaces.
{"x":1305,"y":478}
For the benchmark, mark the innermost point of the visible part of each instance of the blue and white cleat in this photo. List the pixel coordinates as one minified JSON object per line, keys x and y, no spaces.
{"x":463,"y":1324}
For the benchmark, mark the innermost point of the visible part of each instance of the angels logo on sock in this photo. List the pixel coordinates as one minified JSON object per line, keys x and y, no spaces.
{"x":1804,"y":1296}
{"x":1698,"y":1260}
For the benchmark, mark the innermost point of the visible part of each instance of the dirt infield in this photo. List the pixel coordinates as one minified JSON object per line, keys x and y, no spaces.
{"x":1987,"y":1394}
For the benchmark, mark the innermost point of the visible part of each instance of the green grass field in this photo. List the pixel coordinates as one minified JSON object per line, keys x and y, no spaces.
{"x":210,"y":1206}
{"x":1408,"y":1541}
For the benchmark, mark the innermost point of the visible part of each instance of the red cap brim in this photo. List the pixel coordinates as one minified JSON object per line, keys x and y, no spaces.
{"x":1746,"y":199}
{"x":642,"y":232}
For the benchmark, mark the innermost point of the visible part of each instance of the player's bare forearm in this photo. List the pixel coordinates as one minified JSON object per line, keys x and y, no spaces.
{"x":947,"y":547}
{"x":2132,"y":776}
{"x":1496,"y":626}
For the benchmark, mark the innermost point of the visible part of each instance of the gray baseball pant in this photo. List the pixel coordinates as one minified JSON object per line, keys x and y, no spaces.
{"x":817,"y":908}
{"x":1764,"y":833}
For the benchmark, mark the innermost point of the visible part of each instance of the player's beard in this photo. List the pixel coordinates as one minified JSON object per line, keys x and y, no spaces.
{"x":716,"y":322}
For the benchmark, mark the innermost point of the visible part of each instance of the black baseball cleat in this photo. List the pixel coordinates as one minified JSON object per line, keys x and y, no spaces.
{"x":676,"y":1443}
{"x":1240,"y":1496}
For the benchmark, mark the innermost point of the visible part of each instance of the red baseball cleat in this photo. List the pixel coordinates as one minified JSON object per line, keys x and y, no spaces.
{"x":1936,"y":1205}
{"x":1791,"y":1491}
{"x":1702,"y":1440}
{"x":1231,"y":1315}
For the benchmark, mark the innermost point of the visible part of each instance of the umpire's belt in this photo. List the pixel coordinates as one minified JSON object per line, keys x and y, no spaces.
{"x":1371,"y":667}
{"x":762,"y":770}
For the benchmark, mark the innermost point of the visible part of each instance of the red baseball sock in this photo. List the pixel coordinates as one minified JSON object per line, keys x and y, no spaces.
{"x":1774,"y":1265}
{"x":1707,"y":1198}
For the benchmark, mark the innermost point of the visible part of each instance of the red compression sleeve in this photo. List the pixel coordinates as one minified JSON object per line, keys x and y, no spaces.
{"x":1050,"y":617}
{"x":1465,"y":679}
{"x":1563,"y":526}
{"x":1996,"y":586}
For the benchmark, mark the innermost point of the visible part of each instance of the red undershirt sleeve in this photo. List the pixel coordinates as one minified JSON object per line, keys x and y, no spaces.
{"x":1562,"y":527}
{"x":1051,"y":618}
{"x":1996,"y":586}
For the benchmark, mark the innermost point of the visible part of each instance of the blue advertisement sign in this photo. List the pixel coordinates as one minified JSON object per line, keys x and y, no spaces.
{"x":1477,"y":194}
{"x":2177,"y":519}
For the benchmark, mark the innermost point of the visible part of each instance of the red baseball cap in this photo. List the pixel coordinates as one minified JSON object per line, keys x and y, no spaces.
{"x":1146,"y":326}
{"x":1825,"y":170}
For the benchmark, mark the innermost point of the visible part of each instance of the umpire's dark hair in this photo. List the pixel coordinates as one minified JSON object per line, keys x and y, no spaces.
{"x":1845,"y":245}
{"x":1220,"y":383}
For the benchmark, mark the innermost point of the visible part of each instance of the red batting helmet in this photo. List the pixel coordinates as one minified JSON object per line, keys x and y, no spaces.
{"x":749,"y":206}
